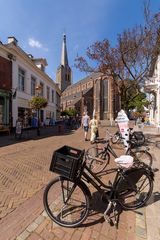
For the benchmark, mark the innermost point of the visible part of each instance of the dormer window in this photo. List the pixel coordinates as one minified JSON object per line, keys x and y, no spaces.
{"x":41,"y":63}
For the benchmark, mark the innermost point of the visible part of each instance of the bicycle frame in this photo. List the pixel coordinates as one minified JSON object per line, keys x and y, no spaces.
{"x":96,"y":182}
{"x":110,"y":150}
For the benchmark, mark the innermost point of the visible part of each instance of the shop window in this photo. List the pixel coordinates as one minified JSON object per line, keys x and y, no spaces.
{"x":1,"y":110}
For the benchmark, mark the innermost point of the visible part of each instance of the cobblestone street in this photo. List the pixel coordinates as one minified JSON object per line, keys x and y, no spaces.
{"x":24,"y":173}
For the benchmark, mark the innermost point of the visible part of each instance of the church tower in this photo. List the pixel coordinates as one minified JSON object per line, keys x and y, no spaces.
{"x":63,"y":75}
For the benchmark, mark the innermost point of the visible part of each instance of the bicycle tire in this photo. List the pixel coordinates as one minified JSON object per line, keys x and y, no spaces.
{"x":98,"y":159}
{"x":135,"y":196}
{"x":142,"y":156}
{"x":66,"y":215}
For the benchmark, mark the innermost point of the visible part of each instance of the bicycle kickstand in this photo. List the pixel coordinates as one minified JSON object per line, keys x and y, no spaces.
{"x":106,"y":216}
{"x":114,"y":214}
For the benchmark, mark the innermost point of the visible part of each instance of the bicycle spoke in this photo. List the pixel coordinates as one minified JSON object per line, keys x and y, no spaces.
{"x":66,"y":202}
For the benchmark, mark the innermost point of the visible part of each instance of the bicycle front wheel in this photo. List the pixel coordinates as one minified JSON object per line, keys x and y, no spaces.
{"x":142,"y":156}
{"x":98,"y":159}
{"x":66,"y":202}
{"x":135,"y":189}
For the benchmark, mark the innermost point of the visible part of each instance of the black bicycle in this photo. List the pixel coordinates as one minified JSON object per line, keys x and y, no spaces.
{"x":137,"y":137}
{"x":99,"y":156}
{"x":67,"y":197}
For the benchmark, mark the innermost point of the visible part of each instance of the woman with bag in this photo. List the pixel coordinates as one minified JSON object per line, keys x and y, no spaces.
{"x":94,"y":129}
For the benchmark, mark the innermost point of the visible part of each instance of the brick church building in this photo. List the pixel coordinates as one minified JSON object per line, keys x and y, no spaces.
{"x":95,"y":93}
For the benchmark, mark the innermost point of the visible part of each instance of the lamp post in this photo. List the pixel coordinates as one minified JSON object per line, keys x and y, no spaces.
{"x":38,"y":91}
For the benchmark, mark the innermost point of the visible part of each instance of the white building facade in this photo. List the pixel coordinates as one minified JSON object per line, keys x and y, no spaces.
{"x":27,"y":73}
{"x":152,"y":86}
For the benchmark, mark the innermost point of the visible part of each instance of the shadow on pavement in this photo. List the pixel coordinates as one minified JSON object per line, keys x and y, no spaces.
{"x":154,"y":198}
{"x":31,"y":134}
{"x":98,"y":207}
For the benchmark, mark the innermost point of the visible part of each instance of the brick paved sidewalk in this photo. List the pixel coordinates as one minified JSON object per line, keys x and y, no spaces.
{"x":24,"y":174}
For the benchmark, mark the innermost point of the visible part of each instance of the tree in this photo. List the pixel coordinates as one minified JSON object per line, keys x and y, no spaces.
{"x":69,"y":112}
{"x":131,"y":58}
{"x":36,"y":103}
{"x":139,"y":102}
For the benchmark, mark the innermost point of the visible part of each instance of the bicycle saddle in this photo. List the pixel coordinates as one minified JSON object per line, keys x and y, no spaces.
{"x":125,"y":161}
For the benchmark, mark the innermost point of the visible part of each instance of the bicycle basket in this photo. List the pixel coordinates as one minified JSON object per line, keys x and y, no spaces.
{"x":137,"y":138}
{"x":66,"y":161}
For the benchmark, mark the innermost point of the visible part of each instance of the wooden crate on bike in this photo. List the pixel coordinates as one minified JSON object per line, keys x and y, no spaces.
{"x":66,"y":161}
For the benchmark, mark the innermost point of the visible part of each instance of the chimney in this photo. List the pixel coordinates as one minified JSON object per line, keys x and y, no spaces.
{"x":12,"y":40}
{"x":30,"y":56}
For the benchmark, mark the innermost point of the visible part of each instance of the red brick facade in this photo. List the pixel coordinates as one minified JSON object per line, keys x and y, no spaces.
{"x":5,"y":74}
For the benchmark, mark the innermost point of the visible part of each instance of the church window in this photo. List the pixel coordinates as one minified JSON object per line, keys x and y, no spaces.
{"x":105,"y":95}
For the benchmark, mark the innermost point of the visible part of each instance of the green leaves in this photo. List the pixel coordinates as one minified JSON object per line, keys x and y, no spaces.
{"x":138,"y":102}
{"x":69,"y":112}
{"x":38,"y":102}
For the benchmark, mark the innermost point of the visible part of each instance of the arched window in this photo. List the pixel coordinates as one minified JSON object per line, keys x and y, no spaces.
{"x":105,"y":95}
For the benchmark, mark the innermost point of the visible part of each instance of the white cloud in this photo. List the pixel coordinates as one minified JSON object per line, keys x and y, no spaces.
{"x":36,"y":44}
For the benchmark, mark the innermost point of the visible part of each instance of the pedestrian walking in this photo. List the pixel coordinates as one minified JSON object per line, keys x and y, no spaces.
{"x":18,"y":132}
{"x":94,"y":129}
{"x":85,"y":124}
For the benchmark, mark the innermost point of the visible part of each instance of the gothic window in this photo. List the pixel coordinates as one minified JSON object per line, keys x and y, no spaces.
{"x":105,"y":95}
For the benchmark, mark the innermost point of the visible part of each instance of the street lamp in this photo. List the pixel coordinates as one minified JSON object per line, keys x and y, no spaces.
{"x":38,"y":90}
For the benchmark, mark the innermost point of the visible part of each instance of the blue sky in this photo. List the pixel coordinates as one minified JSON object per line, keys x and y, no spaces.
{"x":39,"y":25}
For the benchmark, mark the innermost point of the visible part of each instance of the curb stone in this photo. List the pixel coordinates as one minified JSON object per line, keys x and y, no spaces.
{"x":141,"y":228}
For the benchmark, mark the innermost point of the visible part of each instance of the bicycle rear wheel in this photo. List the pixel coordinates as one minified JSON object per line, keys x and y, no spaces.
{"x":97,"y":159}
{"x":142,"y":156}
{"x":135,"y":189}
{"x":138,"y":138}
{"x":66,"y":202}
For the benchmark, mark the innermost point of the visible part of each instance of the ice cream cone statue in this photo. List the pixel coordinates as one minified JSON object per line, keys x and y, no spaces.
{"x":122,"y":121}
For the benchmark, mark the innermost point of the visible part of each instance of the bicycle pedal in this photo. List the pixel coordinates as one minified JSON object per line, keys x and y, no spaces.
{"x":111,"y":222}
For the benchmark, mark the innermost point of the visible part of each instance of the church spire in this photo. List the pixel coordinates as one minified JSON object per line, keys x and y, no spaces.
{"x":64,"y":72}
{"x":64,"y":57}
